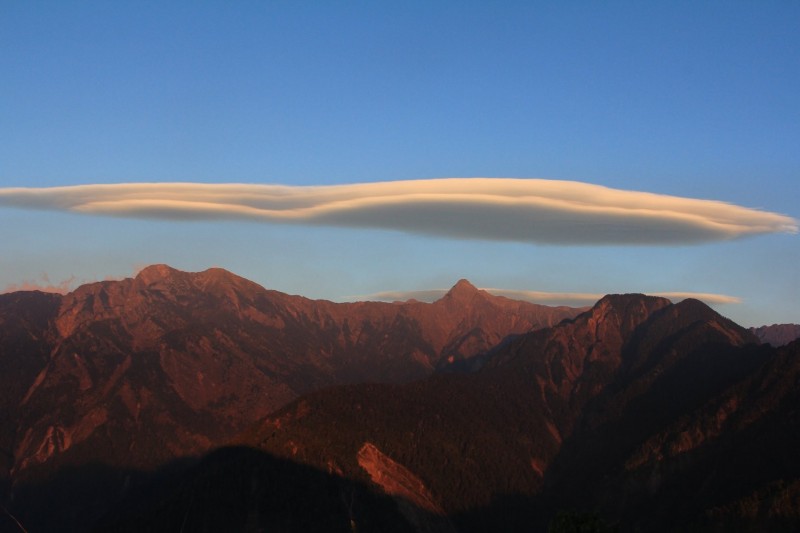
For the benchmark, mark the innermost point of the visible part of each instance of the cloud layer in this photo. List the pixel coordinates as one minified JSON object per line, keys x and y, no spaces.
{"x":574,"y":299}
{"x":520,"y":210}
{"x":585,"y":298}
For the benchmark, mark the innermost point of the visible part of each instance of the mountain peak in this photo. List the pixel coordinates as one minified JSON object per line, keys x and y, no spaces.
{"x":632,"y":309}
{"x":464,"y":284}
{"x":462,"y":287}
{"x":462,"y":293}
{"x":628,"y":299}
{"x":216,"y":274}
{"x":155,"y":273}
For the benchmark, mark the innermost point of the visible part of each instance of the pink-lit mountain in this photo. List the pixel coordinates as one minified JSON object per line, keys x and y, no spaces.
{"x":202,"y":401}
{"x":139,"y":371}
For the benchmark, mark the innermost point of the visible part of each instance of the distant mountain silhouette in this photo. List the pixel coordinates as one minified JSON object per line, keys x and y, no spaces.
{"x":777,"y":334}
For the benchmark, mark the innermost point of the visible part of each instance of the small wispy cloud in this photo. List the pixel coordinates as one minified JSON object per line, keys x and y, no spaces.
{"x":521,"y":210}
{"x":42,"y":284}
{"x":430,"y":295}
{"x":588,"y":298}
{"x":706,"y":297}
{"x":575,"y":299}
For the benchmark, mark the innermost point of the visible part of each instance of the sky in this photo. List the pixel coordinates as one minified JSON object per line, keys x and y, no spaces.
{"x":343,"y":150}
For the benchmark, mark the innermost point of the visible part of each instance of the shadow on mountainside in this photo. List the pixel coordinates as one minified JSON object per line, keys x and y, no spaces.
{"x":240,"y":489}
{"x":76,"y":497}
{"x":710,"y":445}
{"x":230,"y":489}
{"x":726,"y":485}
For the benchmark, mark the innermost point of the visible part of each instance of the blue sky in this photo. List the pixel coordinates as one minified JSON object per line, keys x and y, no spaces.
{"x":694,"y":100}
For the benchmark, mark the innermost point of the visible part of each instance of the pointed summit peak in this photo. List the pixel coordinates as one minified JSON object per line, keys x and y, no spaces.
{"x":464,"y":284}
{"x":462,"y":291}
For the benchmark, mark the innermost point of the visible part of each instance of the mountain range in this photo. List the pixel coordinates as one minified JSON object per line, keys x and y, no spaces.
{"x":777,"y":334}
{"x":202,"y":401}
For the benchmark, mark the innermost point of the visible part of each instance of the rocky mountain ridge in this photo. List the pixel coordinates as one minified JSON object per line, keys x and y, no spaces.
{"x":140,"y":371}
{"x":777,"y":334}
{"x":600,"y":413}
{"x":645,"y":414}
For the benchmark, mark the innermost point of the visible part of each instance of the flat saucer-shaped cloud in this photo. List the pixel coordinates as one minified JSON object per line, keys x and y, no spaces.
{"x":522,"y":210}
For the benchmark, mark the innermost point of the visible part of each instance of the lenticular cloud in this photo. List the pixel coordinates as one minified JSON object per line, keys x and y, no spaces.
{"x":521,"y":210}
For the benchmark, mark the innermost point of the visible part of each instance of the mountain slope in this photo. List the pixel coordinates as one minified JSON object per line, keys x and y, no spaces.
{"x":559,"y":418}
{"x":26,"y":337}
{"x":655,"y":416}
{"x":137,"y":372}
